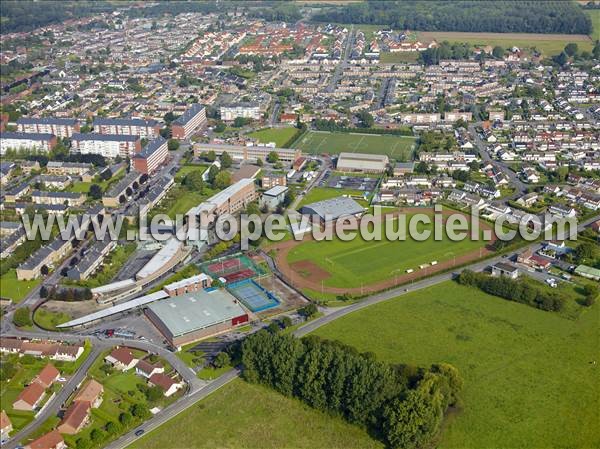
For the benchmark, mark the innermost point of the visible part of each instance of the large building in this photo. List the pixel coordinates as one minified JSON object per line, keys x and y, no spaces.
{"x":363,"y":163}
{"x":72,"y":199}
{"x":248,"y":153}
{"x":118,"y":193}
{"x":147,"y":129}
{"x":328,"y":211}
{"x":151,"y":157}
{"x":27,"y":141}
{"x":193,"y":316}
{"x":230,"y":112}
{"x":60,"y":127}
{"x":190,"y":121}
{"x":107,"y":145}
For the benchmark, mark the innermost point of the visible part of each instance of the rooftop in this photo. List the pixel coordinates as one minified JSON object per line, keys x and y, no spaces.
{"x":333,"y":208}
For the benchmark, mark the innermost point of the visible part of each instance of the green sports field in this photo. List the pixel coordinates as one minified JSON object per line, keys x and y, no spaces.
{"x":359,"y":262}
{"x":248,"y":416}
{"x":529,"y":380}
{"x":319,"y":142}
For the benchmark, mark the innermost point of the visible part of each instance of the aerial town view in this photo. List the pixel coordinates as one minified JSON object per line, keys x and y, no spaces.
{"x":300,"y":224}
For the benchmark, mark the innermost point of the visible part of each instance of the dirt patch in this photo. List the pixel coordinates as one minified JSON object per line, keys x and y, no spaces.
{"x":310,"y":270}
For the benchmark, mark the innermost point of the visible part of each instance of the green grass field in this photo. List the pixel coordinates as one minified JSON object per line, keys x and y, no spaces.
{"x":595,"y":16}
{"x":49,"y":319}
{"x":242,"y":415}
{"x":399,"y":57}
{"x":11,"y":288}
{"x":278,"y":135}
{"x":529,"y":380}
{"x":548,"y":44}
{"x":185,"y":170}
{"x":319,"y":142}
{"x":359,"y":262}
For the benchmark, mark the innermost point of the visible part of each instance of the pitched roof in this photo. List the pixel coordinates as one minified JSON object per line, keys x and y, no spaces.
{"x":31,"y":393}
{"x":76,"y":414}
{"x":47,"y":441}
{"x":146,"y":367}
{"x":162,"y":380}
{"x":122,"y":355}
{"x":48,"y":375}
{"x":4,"y":420}
{"x":90,"y":392}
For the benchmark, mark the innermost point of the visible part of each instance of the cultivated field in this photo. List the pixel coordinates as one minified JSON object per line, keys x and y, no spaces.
{"x":278,"y":135}
{"x":319,"y":142}
{"x":548,"y":44}
{"x":242,"y":415}
{"x":358,"y":263}
{"x":529,"y":377}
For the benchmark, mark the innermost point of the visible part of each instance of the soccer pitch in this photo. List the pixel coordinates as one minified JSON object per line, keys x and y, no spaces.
{"x":319,"y":142}
{"x":360,"y":262}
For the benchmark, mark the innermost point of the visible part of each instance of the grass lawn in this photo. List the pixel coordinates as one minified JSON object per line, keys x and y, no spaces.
{"x":11,"y":288}
{"x":187,"y":169}
{"x":319,"y":142}
{"x":595,"y":16}
{"x":357,"y":262}
{"x":399,"y":57}
{"x":278,"y":135}
{"x":179,"y":200}
{"x":242,"y":415}
{"x":529,"y":381}
{"x":49,"y":319}
{"x":548,"y":44}
{"x":324,"y":193}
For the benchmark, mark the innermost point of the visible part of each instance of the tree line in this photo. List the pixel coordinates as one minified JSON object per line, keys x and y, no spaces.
{"x":518,"y":290}
{"x":400,"y":404}
{"x":332,"y":126}
{"x":499,"y":16}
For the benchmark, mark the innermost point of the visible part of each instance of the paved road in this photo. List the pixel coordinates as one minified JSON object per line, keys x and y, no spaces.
{"x":337,"y":73}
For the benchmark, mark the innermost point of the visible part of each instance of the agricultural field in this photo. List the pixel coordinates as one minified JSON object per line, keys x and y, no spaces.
{"x":547,"y":44}
{"x":319,"y":142}
{"x":341,"y":263}
{"x":278,"y":135}
{"x":529,"y":376}
{"x":11,"y":288}
{"x":242,"y":415}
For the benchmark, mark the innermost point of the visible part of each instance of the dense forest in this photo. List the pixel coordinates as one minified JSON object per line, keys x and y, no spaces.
{"x":498,"y":16}
{"x":402,"y":405}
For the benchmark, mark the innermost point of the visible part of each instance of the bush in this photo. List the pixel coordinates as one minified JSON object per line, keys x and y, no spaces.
{"x":221,"y":360}
{"x":22,"y":317}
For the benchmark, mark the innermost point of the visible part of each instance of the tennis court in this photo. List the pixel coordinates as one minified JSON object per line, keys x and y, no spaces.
{"x":252,"y":295}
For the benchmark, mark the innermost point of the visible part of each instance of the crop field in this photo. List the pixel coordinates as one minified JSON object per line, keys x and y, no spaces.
{"x":242,"y":415}
{"x":278,"y":135}
{"x":357,"y":263}
{"x":529,"y":376}
{"x":548,"y":44}
{"x":319,"y":142}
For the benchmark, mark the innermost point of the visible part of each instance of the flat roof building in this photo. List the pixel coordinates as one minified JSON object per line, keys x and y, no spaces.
{"x":60,"y":127}
{"x":27,"y":141}
{"x":193,"y":316}
{"x":151,"y":156}
{"x":192,"y":119}
{"x":364,"y":163}
{"x":128,"y":126}
{"x":248,"y":152}
{"x":327,"y":211}
{"x":107,"y":145}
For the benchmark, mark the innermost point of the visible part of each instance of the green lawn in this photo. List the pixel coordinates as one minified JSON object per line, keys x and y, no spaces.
{"x":187,"y":169}
{"x":547,"y":44}
{"x":319,"y":142}
{"x":278,"y":135}
{"x":49,"y":319}
{"x":242,"y":415}
{"x":529,"y":381}
{"x":179,"y":200}
{"x":14,"y":289}
{"x":595,"y":16}
{"x":357,"y":262}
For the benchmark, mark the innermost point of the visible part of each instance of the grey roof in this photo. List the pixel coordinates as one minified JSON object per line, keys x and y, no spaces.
{"x":91,"y":257}
{"x":193,"y":311}
{"x":188,"y":114}
{"x":51,"y":194}
{"x":124,"y":122}
{"x":47,"y":121}
{"x":275,"y":191}
{"x":105,"y":137}
{"x":152,"y":146}
{"x":26,"y":136}
{"x":333,"y":208}
{"x":122,"y":185}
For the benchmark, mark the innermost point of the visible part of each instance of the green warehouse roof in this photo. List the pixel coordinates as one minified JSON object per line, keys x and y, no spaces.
{"x":584,"y":270}
{"x":198,"y":310}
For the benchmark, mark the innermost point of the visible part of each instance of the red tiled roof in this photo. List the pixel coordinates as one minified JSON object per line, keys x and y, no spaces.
{"x":47,"y":441}
{"x":31,"y":394}
{"x":123,"y":355}
{"x":48,"y":375}
{"x":161,"y":380}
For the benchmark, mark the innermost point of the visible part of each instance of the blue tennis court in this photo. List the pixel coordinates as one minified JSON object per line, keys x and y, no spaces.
{"x":252,"y":295}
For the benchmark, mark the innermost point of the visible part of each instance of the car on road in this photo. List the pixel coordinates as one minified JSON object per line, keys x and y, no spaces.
{"x":139,"y":432}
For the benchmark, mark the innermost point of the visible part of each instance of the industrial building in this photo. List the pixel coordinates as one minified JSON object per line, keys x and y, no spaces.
{"x":60,"y":127}
{"x":27,"y":141}
{"x":327,"y":211}
{"x":107,"y":145}
{"x":363,"y":163}
{"x":190,"y":121}
{"x":193,"y":316}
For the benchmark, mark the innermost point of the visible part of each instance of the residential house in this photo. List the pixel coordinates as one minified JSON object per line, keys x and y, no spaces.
{"x":147,"y":370}
{"x":169,"y":385}
{"x":505,"y":269}
{"x":50,"y":440}
{"x":121,"y":358}
{"x":30,"y":397}
{"x":5,"y":426}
